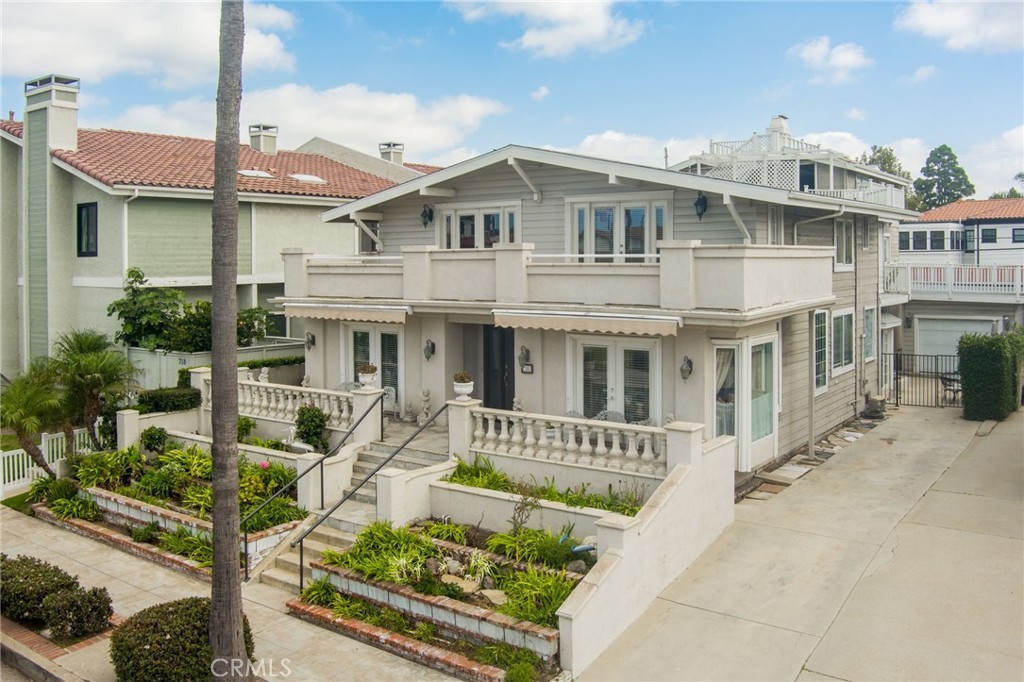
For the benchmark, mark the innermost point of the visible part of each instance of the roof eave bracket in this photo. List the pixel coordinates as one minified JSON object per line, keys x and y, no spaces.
{"x":537,"y":194}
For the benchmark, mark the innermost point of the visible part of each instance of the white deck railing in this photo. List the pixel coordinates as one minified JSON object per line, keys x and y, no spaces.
{"x":874,"y":193}
{"x":18,"y":469}
{"x":586,"y":442}
{"x":951,"y":280}
{"x":281,"y":402}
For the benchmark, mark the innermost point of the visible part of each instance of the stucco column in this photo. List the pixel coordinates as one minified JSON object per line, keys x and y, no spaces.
{"x":369,"y":430}
{"x":678,"y":280}
{"x":510,"y":282}
{"x":296,"y":281}
{"x":460,"y":427}
{"x":200,"y":378}
{"x":128,"y":430}
{"x":685,"y":444}
{"x":417,"y":279}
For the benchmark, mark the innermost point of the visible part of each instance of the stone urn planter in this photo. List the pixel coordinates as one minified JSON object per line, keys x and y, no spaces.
{"x":367,"y":374}
{"x":463,"y":385}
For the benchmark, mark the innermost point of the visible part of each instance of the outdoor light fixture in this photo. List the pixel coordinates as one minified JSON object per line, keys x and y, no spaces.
{"x":701,"y":205}
{"x":524,"y":360}
{"x":686,"y":368}
{"x":908,"y":321}
{"x":310,"y":340}
{"x":427,"y":215}
{"x":428,"y":349}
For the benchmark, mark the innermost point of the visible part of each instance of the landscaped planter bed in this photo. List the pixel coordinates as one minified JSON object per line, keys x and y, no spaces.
{"x":123,"y":542}
{"x":396,"y":643}
{"x":452,"y":615}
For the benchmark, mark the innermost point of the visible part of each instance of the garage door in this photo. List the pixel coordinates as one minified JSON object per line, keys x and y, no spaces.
{"x":940,"y":336}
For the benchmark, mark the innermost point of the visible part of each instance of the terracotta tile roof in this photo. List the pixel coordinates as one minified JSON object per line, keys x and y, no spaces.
{"x":975,"y":209}
{"x":423,"y":167}
{"x":119,"y":157}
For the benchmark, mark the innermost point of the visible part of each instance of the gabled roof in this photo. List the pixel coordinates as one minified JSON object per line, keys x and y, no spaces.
{"x":133,"y":159}
{"x":975,"y":209}
{"x":618,"y":173}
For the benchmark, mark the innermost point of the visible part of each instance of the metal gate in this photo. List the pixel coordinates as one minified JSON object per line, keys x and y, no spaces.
{"x":922,"y":380}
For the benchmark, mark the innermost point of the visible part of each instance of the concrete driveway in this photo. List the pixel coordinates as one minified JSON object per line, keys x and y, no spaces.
{"x":898,"y":559}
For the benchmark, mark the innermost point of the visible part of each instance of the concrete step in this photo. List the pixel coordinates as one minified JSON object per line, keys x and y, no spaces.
{"x":404,"y":460}
{"x":366,"y":494}
{"x":411,"y":450}
{"x":279,"y":577}
{"x":332,"y":537}
{"x":352,"y":517}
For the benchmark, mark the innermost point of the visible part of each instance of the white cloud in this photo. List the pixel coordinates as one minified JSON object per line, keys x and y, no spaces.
{"x":846,"y":143}
{"x":920,"y":75}
{"x":173,"y":43}
{"x":558,"y":29}
{"x":834,"y":65}
{"x":856,"y":114}
{"x":540,"y":93}
{"x":640,"y":149}
{"x":985,"y":26}
{"x":348,"y":114}
{"x":992,"y":164}
{"x":912,"y":153}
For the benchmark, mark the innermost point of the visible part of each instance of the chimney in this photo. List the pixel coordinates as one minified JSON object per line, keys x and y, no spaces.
{"x":779,"y":124}
{"x":392,"y":151}
{"x":263,"y":138}
{"x":51,"y":109}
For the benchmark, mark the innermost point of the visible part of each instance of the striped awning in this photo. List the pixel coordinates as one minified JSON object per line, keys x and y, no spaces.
{"x":599,"y":323}
{"x":348,"y":313}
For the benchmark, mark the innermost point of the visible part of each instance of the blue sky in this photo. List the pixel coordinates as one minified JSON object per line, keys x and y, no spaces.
{"x":615,"y":79}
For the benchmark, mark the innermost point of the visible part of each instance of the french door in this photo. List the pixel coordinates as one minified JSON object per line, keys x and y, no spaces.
{"x":380,"y":347}
{"x":478,"y":228}
{"x":746,"y":386}
{"x":615,"y":376}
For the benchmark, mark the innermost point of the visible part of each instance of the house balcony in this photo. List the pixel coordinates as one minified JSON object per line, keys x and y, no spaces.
{"x":685,"y":277}
{"x":949,"y":282}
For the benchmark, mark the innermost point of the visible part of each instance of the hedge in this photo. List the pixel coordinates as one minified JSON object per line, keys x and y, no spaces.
{"x":185,"y":379}
{"x":169,"y":642}
{"x":989,"y":375}
{"x":169,"y":400}
{"x":25,"y":582}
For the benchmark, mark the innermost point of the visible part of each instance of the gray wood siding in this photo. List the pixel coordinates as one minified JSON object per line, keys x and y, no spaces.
{"x":10,"y":257}
{"x":36,"y":226}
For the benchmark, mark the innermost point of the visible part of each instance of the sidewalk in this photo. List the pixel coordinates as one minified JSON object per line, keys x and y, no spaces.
{"x":283,"y":643}
{"x":898,"y":559}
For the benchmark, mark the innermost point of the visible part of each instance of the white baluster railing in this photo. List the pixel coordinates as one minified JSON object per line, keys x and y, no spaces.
{"x":281,"y":402}
{"x":580,"y":442}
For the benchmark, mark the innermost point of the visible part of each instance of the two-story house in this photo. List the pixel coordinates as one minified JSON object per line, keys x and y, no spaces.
{"x":961,"y":266}
{"x":80,"y":206}
{"x":570,"y":285}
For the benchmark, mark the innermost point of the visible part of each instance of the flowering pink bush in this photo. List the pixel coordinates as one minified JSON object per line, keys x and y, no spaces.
{"x":264,"y":464}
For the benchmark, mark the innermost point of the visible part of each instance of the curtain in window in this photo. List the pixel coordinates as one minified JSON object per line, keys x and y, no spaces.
{"x":762,"y":390}
{"x":725,"y":395}
{"x":360,"y":351}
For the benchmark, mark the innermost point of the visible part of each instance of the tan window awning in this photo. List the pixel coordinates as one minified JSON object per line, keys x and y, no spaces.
{"x":349,"y":313}
{"x":601,"y":323}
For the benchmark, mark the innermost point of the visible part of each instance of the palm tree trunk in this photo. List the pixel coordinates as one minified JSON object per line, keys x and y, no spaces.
{"x":226,"y":639}
{"x":35,"y":453}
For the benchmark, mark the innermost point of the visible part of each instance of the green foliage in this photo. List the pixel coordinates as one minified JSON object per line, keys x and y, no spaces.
{"x":319,"y":592}
{"x":169,"y":642}
{"x":185,"y":378}
{"x":76,"y":508}
{"x":39,"y":489}
{"x":192,"y":332}
{"x":332,"y":557}
{"x":479,"y":566}
{"x":147,"y":314}
{"x":356,"y":609}
{"x":77,"y":612}
{"x":278,"y":511}
{"x":198,"y":498}
{"x":137,"y":492}
{"x":154,"y":438}
{"x":109,"y":469}
{"x":169,"y":400}
{"x":276,"y":476}
{"x":385,"y":553}
{"x":245,"y":428}
{"x":989,"y":374}
{"x":521,"y":672}
{"x":164,"y":481}
{"x":462,"y":377}
{"x":452,"y":532}
{"x":193,"y":459}
{"x":425,"y":631}
{"x":429,"y":583}
{"x":18,"y":503}
{"x":481,"y":474}
{"x":310,"y":422}
{"x":25,"y":582}
{"x":535,"y":595}
{"x":268,"y":443}
{"x":943,"y":180}
{"x":147,"y":533}
{"x":195,"y":546}
{"x":1012,"y":193}
{"x":505,"y":656}
{"x":533,"y":546}
{"x":252,"y":325}
{"x":61,"y":489}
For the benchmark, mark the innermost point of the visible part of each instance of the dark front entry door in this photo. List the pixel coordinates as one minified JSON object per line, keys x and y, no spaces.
{"x":499,"y":367}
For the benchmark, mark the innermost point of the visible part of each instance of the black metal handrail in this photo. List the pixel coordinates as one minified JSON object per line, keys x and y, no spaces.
{"x":301,"y":539}
{"x":294,"y":481}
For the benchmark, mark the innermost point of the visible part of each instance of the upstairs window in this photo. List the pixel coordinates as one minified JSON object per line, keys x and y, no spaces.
{"x":937,"y":240}
{"x":956,"y":241}
{"x":869,"y":333}
{"x":464,"y":226}
{"x":620,"y":228}
{"x":920,"y":240}
{"x":87,"y":231}
{"x":904,"y":241}
{"x":969,"y":240}
{"x":1018,"y":235}
{"x":842,"y":341}
{"x":988,"y":235}
{"x":844,"y":244}
{"x":820,"y":351}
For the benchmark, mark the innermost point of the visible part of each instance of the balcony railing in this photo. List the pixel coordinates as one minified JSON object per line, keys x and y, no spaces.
{"x":684,"y":275}
{"x":874,"y":193}
{"x":949,"y":281}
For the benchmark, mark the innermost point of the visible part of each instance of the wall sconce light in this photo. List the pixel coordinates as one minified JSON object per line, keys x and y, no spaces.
{"x":310,"y":340}
{"x":428,"y":349}
{"x":700,"y":206}
{"x":685,"y":368}
{"x":908,"y":321}
{"x":524,"y":360}
{"x":426,"y":215}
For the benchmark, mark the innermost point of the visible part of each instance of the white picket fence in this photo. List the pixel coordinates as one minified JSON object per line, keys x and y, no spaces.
{"x":18,"y":469}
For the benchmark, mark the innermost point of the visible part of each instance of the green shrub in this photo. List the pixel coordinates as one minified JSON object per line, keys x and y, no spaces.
{"x":279,"y":510}
{"x":431,"y":584}
{"x":320,"y":592}
{"x":276,"y":476}
{"x":169,"y":400}
{"x":137,"y":492}
{"x":385,"y":553}
{"x":95,"y":470}
{"x":245,"y":428}
{"x":310,"y":422}
{"x":61,"y":489}
{"x":988,"y":371}
{"x":169,"y":642}
{"x":198,"y":498}
{"x":505,"y":656}
{"x":535,"y":595}
{"x":521,"y":672}
{"x":76,"y":508}
{"x":481,"y":474}
{"x":25,"y":582}
{"x":163,"y":481}
{"x":424,"y":631}
{"x":40,"y":488}
{"x":451,"y":532}
{"x":147,"y":533}
{"x":533,"y":546}
{"x":268,"y":443}
{"x":194,"y":461}
{"x":154,"y":438}
{"x":77,"y":612}
{"x":195,"y":546}
{"x":193,"y":330}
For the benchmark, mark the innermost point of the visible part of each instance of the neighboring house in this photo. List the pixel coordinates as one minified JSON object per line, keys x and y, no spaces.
{"x":582,"y":286}
{"x":80,"y":206}
{"x":961,"y":265}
